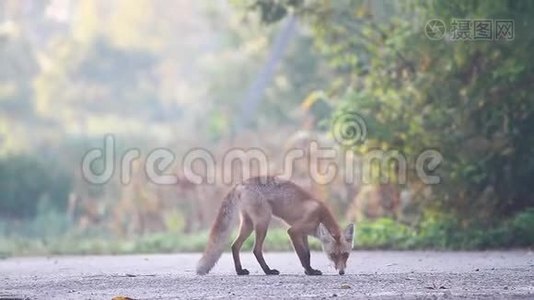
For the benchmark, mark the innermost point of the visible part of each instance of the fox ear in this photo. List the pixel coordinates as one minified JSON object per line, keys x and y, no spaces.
{"x":323,"y":234}
{"x":349,"y":233}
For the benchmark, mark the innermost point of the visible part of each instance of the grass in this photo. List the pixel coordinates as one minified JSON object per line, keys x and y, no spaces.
{"x":164,"y":242}
{"x":434,"y":232}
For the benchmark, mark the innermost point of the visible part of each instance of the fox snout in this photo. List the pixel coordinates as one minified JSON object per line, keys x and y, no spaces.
{"x":340,"y":266}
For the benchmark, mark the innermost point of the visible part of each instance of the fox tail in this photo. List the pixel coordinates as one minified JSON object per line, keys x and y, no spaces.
{"x":219,"y":234}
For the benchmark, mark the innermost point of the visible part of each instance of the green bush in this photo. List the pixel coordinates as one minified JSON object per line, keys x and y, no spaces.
{"x":382,"y":233}
{"x":443,"y":231}
{"x":523,"y":228}
{"x":26,"y":181}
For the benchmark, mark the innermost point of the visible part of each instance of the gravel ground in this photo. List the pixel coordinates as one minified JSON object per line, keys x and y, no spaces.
{"x":370,"y":275}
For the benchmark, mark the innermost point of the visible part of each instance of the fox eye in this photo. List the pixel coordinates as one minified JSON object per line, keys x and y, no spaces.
{"x":345,"y":255}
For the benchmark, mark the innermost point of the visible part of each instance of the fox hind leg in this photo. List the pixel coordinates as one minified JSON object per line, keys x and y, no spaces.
{"x":245,"y":230}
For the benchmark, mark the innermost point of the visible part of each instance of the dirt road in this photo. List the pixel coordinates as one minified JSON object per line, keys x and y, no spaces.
{"x":375,"y":275}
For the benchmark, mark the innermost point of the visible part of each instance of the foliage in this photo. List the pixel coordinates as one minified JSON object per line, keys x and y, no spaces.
{"x":445,"y":231}
{"x":382,"y":233}
{"x":28,"y":184}
{"x":468,"y":100}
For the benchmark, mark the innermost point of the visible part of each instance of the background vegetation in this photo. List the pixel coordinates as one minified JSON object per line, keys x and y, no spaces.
{"x":270,"y":74}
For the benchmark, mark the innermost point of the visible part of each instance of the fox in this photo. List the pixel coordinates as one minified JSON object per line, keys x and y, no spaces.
{"x":257,"y":200}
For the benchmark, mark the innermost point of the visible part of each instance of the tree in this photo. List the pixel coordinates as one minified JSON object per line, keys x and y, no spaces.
{"x":467,"y":99}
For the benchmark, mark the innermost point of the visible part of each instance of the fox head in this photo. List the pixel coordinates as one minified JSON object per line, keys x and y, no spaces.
{"x":337,"y":248}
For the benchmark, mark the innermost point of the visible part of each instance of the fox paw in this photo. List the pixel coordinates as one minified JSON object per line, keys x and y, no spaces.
{"x":272,"y":272}
{"x":313,"y":272}
{"x":242,"y":272}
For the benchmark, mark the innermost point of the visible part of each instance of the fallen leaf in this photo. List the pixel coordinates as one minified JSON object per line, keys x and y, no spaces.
{"x":122,"y":298}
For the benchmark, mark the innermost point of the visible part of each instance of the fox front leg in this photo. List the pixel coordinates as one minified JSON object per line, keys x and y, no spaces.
{"x":300,"y":243}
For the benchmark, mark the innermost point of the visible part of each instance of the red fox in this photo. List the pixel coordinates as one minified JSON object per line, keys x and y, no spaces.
{"x":258,"y":199}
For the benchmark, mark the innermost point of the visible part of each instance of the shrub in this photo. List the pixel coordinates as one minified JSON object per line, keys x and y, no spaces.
{"x":26,"y":180}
